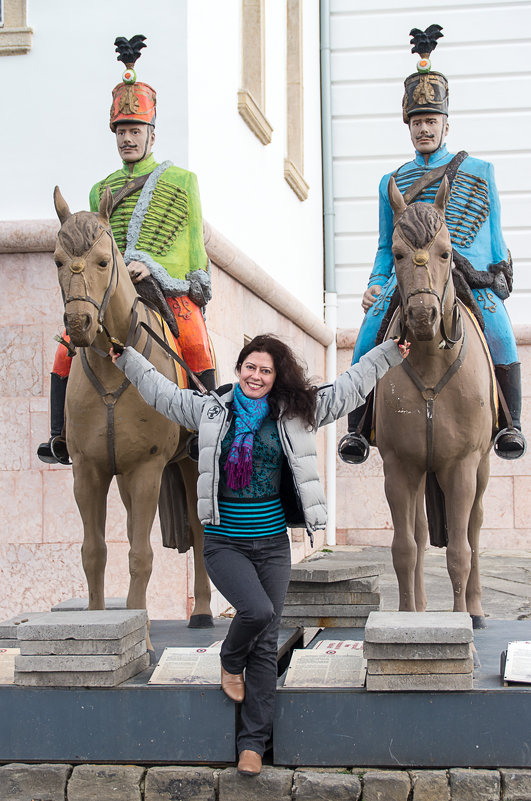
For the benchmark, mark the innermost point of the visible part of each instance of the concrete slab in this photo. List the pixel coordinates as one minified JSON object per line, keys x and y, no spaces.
{"x":377,"y":650}
{"x":119,"y":782}
{"x":78,"y":647}
{"x":19,"y":782}
{"x":333,"y":570}
{"x":9,"y":627}
{"x":366,"y":584}
{"x":389,"y":667}
{"x":325,"y":622}
{"x":330,"y":596}
{"x":426,"y":683}
{"x":329,"y":610}
{"x":80,"y":663}
{"x":104,"y":624}
{"x":81,"y":604}
{"x":419,"y":627}
{"x":104,"y":678}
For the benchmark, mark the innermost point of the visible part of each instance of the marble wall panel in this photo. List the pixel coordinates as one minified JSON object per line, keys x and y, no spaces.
{"x":14,"y":434}
{"x":20,"y":507}
{"x":364,"y":536}
{"x":31,"y":295}
{"x":498,"y":503}
{"x":20,"y":354}
{"x":361,"y":503}
{"x":522,"y":491}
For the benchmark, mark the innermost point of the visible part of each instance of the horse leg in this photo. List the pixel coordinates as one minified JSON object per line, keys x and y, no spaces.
{"x":401,"y":493}
{"x":139,"y":490}
{"x":201,"y":617}
{"x":473,"y":587}
{"x":459,"y":487}
{"x":90,"y":491}
{"x":421,"y":538}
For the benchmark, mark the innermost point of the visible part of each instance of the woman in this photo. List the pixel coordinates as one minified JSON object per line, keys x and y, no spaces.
{"x":257,"y":475}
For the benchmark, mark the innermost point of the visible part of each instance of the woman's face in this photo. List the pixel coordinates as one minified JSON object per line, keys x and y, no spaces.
{"x":257,"y":375}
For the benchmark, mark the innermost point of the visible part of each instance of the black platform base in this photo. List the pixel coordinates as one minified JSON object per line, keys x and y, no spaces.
{"x":485,"y":727}
{"x":134,"y":722}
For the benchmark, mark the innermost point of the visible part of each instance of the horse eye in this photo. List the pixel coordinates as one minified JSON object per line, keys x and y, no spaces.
{"x":445,"y":255}
{"x":399,"y":256}
{"x":58,"y":263}
{"x":103,"y":263}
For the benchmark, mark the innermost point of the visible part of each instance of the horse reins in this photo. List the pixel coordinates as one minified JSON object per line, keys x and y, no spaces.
{"x":110,"y":399}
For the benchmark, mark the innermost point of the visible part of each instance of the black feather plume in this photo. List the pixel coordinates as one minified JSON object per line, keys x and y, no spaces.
{"x":425,"y":41}
{"x":129,"y":49}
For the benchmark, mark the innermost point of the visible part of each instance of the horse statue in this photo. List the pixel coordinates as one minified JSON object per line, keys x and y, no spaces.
{"x":110,"y":430}
{"x":435,"y":415}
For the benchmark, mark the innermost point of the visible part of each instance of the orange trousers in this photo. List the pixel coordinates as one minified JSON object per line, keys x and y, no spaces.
{"x":193,"y":343}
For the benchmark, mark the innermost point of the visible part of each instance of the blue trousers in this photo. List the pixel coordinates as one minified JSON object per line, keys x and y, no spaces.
{"x":253,"y":574}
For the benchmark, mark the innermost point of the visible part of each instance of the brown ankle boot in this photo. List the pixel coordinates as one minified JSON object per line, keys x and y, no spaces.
{"x":250,"y":763}
{"x":232,"y":685}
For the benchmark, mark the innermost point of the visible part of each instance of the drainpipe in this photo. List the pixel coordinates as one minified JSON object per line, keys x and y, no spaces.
{"x":329,"y":260}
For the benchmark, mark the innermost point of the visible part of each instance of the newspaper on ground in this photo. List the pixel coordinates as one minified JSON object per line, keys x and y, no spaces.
{"x":518,"y":662}
{"x":7,"y":665}
{"x":187,"y":666}
{"x":326,"y":667}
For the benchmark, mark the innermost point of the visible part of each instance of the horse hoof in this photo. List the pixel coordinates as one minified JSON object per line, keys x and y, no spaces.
{"x":478,"y":622}
{"x":201,"y":622}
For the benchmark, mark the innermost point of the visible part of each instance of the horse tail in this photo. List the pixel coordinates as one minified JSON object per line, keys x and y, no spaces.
{"x":436,"y":512}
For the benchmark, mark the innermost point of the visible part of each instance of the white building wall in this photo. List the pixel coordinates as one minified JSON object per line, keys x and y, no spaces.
{"x":56,"y":99}
{"x":242,"y":184}
{"x":486,"y":56}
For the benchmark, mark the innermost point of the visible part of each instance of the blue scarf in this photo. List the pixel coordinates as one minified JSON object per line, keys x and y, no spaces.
{"x":249,"y":414}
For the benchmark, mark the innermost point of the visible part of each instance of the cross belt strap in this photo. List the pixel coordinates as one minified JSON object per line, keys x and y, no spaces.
{"x":432,"y":176}
{"x":128,"y":189}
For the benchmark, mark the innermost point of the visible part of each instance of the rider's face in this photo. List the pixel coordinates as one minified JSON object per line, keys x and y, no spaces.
{"x":134,"y":141}
{"x":428,"y":131}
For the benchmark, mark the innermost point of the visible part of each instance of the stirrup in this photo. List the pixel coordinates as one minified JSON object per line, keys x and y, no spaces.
{"x":510,"y":443}
{"x":353,"y":448}
{"x":59,"y":450}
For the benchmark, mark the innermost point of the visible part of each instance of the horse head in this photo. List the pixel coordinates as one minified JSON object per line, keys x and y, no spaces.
{"x":422,"y":253}
{"x":87,"y":262}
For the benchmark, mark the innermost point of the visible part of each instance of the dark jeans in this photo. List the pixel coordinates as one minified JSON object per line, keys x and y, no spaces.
{"x":253,"y":575}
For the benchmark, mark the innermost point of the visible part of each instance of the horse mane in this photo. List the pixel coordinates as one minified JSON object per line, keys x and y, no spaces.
{"x":419,"y":223}
{"x":79,"y":231}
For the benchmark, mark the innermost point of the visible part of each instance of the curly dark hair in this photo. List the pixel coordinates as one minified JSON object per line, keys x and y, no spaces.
{"x":292,"y":393}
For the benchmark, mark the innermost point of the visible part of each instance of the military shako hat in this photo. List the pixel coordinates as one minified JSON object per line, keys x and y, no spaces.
{"x":425,"y":91}
{"x":132,"y":101}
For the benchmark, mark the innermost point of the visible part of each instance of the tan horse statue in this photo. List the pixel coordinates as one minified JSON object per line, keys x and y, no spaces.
{"x":435,"y":415}
{"x":110,"y":430}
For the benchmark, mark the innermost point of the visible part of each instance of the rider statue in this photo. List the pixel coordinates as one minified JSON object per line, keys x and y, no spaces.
{"x":158,"y":227}
{"x":473,"y":219}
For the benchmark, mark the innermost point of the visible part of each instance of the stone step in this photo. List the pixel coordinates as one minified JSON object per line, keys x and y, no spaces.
{"x":80,"y":663}
{"x":332,"y":597}
{"x":79,"y":647}
{"x":101,"y":678}
{"x":395,"y":651}
{"x":325,"y":622}
{"x":419,"y":627}
{"x":390,"y":667}
{"x":329,"y":610}
{"x":333,"y":570}
{"x":449,"y":682}
{"x":104,"y":624}
{"x":366,"y":584}
{"x":81,"y":604}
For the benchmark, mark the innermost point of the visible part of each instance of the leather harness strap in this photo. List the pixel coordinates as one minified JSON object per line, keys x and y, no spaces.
{"x":128,"y":189}
{"x":430,"y":394}
{"x":432,"y":176}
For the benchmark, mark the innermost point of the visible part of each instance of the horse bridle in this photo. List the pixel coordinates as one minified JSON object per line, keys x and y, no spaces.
{"x":421,"y":258}
{"x":77,"y":267}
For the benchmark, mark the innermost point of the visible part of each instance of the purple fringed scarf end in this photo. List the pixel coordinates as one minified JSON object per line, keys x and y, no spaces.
{"x":239,"y":472}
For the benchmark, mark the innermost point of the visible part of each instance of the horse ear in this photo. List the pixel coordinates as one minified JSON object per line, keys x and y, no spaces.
{"x":61,"y":206}
{"x":105,"y":209}
{"x":443,"y":193}
{"x":396,"y":199}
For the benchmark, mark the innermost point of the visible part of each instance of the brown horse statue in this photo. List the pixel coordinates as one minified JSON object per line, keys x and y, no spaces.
{"x":110,"y":430}
{"x":435,"y":414}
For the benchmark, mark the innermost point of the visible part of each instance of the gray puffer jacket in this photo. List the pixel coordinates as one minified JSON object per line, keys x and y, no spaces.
{"x":301,"y":491}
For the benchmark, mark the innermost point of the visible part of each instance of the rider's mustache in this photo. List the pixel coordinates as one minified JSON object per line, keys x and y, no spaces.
{"x":426,"y":135}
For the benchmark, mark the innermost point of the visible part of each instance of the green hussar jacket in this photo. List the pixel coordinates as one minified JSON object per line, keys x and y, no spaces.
{"x":161,"y":226}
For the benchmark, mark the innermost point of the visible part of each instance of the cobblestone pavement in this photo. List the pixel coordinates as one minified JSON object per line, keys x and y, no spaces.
{"x":19,"y":782}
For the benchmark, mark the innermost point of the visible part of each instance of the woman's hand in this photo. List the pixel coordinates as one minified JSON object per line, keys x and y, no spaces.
{"x":404,"y":349}
{"x":114,"y":354}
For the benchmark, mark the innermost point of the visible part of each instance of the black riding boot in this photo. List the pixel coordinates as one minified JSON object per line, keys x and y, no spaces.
{"x":510,"y":443}
{"x":354,"y":448}
{"x":55,"y":451}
